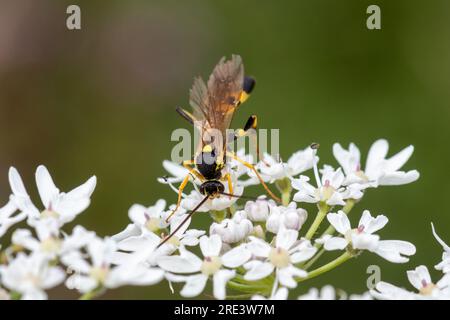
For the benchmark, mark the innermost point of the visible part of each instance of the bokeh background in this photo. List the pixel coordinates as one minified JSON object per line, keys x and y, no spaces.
{"x":101,"y":100}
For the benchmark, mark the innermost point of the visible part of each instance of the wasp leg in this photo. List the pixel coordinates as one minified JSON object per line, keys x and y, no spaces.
{"x":251,"y":123}
{"x":230,"y":184}
{"x":187,"y":164}
{"x":180,"y":191}
{"x":252,"y":167}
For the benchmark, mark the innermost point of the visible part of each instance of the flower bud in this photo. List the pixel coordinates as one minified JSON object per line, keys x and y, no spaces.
{"x":258,"y":232}
{"x":233,"y":230}
{"x":291,"y":217}
{"x":257,"y":210}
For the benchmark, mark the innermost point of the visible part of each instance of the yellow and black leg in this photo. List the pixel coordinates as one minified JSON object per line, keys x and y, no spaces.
{"x":227,"y":177}
{"x":182,"y":186}
{"x":252,"y":167}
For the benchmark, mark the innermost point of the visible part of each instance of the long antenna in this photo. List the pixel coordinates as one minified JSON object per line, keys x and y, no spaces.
{"x":239,"y":197}
{"x":183,"y":222}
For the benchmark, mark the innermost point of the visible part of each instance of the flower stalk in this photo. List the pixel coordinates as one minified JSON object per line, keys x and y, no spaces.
{"x":323,"y":210}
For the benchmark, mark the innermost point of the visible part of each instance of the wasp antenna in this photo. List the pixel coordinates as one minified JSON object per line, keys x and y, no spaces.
{"x":186,"y":115}
{"x":239,"y":197}
{"x":182,"y":222}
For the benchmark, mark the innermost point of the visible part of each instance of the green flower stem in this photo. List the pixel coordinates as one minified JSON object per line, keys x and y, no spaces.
{"x":285,"y":187}
{"x":248,"y":288}
{"x":327,"y":267}
{"x":323,"y":210}
{"x":218,"y":216}
{"x":313,"y":260}
{"x":92,"y":294}
{"x":285,"y":198}
{"x":330,"y":230}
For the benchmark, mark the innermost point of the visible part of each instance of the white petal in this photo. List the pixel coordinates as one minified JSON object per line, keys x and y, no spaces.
{"x":371,"y":224}
{"x":335,"y":243}
{"x":418,"y":276}
{"x":187,"y":262}
{"x":194,"y":286}
{"x":258,"y":270}
{"x":83,"y":191}
{"x":34,"y":294}
{"x":16,"y":183}
{"x":286,"y":237}
{"x":397,"y":161}
{"x":285,"y":278}
{"x":376,"y":155}
{"x":211,"y":245}
{"x":398,"y":178}
{"x":336,"y":199}
{"x":365,"y":241}
{"x":236,"y":256}
{"x":81,"y":283}
{"x":220,"y":280}
{"x":46,"y":187}
{"x":339,"y":221}
{"x":129,"y":231}
{"x":259,"y":247}
{"x":53,"y":277}
{"x":303,"y":254}
{"x":395,"y":250}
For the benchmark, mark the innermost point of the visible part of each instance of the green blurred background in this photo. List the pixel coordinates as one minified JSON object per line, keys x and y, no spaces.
{"x":101,"y":100}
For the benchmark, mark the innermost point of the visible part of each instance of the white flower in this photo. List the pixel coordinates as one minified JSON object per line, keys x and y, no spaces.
{"x":291,"y":217}
{"x":326,"y":293}
{"x":31,"y":275}
{"x":259,"y":209}
{"x":7,"y":217}
{"x":379,"y":170}
{"x":272,"y":170}
{"x":362,"y":237}
{"x":330,"y":188}
{"x":212,"y":265}
{"x":329,"y":293}
{"x":63,"y":207}
{"x":140,"y":243}
{"x":217,"y":204}
{"x":444,"y":265}
{"x":233,"y":230}
{"x":99,"y":272}
{"x":421,"y":280}
{"x":145,"y":219}
{"x":280,"y":294}
{"x":49,"y":242}
{"x":281,"y":257}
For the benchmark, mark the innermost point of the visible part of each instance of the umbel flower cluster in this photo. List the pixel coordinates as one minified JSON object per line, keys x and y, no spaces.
{"x":257,"y":249}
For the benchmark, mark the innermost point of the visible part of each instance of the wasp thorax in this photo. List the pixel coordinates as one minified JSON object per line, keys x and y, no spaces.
{"x":211,"y":265}
{"x":279,"y":257}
